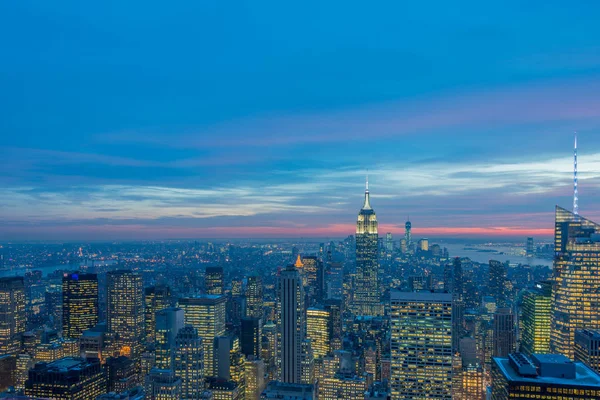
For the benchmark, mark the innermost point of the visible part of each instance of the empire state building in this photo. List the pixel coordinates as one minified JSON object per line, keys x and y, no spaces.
{"x":366,"y":289}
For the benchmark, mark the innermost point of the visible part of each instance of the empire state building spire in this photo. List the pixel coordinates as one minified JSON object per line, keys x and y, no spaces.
{"x":367,"y":205}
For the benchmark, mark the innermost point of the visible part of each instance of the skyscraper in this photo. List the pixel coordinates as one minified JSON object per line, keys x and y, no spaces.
{"x":12,"y":314}
{"x":254,"y":370}
{"x":576,"y":292}
{"x":291,"y":325}
{"x":529,"y":247}
{"x":458,"y":303}
{"x":168,"y":323}
{"x":188,"y":362}
{"x":536,"y":311}
{"x":587,"y":348}
{"x":315,"y":279}
{"x":251,"y":337}
{"x":318,"y":322}
{"x":421,"y":345}
{"x":408,"y":235}
{"x":207,"y":315}
{"x":366,"y":291}
{"x":504,"y":332}
{"x":254,"y":297}
{"x":334,"y":308}
{"x":155,"y":299}
{"x":80,"y":303}
{"x":214,"y":280}
{"x":497,"y":281}
{"x":125,"y":310}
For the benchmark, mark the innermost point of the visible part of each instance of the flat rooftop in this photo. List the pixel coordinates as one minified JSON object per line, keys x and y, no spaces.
{"x":584,"y":375}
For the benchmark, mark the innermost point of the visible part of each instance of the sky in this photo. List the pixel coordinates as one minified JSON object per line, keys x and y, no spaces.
{"x":260,"y":119}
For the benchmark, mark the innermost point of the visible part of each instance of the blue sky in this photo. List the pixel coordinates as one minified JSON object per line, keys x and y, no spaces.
{"x":260,"y":119}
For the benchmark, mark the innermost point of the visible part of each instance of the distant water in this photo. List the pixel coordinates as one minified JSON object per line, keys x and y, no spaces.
{"x":20,"y":271}
{"x":499,"y":253}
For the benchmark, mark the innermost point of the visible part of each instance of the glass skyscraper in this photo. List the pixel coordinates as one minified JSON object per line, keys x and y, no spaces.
{"x":576,"y":294}
{"x":125,"y":310}
{"x":536,"y":319}
{"x":79,"y":303}
{"x":12,"y":314}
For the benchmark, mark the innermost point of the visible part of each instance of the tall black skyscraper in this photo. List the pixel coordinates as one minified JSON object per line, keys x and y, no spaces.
{"x":250,"y":337}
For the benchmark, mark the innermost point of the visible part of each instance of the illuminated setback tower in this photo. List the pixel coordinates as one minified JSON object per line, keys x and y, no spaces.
{"x":366,"y":291}
{"x":576,"y":294}
{"x":80,"y":303}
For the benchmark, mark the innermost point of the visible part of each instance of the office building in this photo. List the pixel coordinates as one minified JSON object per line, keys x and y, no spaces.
{"x":12,"y":314}
{"x":497,"y":282}
{"x":288,"y":391}
{"x":125,"y":310}
{"x":291,"y":325}
{"x":251,"y":337}
{"x":366,"y":295}
{"x":420,"y":282}
{"x":342,"y":387}
{"x":214,"y":281}
{"x":334,"y":308}
{"x":168,"y":323}
{"x":121,"y":373}
{"x":318,"y":330}
{"x":408,"y":237}
{"x":576,"y":292}
{"x":155,"y":299}
{"x":315,"y":279}
{"x":254,"y":370}
{"x":543,"y":376}
{"x":188,"y":362}
{"x":162,"y":384}
{"x":225,"y":390}
{"x":254,"y":297}
{"x":587,"y":348}
{"x":421,"y":345}
{"x":529,"y":247}
{"x":79,"y":303}
{"x":468,"y":379}
{"x":458,"y":303}
{"x":207,"y":315}
{"x":504,"y":332}
{"x":536,"y":314}
{"x":66,"y":379}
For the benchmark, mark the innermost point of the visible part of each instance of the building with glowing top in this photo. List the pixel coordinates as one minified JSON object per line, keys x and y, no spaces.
{"x":125,"y":310}
{"x":79,"y":303}
{"x":576,"y":292}
{"x":366,"y":300}
{"x":12,"y":314}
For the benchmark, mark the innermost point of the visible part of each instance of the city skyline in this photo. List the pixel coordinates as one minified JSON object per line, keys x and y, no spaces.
{"x":463,"y":122}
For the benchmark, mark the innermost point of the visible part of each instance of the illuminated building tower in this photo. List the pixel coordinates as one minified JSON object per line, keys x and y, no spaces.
{"x":318,"y":322}
{"x":121,"y":374}
{"x":168,"y":323}
{"x":458,"y":303}
{"x":188,"y":362}
{"x":468,"y":380}
{"x":543,"y":376}
{"x":66,"y":379}
{"x":53,"y":302}
{"x":408,"y":236}
{"x":214,"y":280}
{"x":254,"y":297}
{"x":162,"y":384}
{"x":587,"y":348}
{"x":424,"y":245}
{"x":342,"y":387}
{"x":237,"y":287}
{"x":421,"y":345}
{"x":12,"y":314}
{"x":335,"y":281}
{"x":497,"y":282}
{"x":420,"y":282}
{"x":504,"y":332}
{"x":125,"y":310}
{"x":291,"y":325}
{"x":207,"y":315}
{"x":229,"y":361}
{"x":251,"y":337}
{"x":255,"y":378}
{"x":315,"y":279}
{"x":224,"y":390}
{"x":288,"y":391}
{"x":270,"y":349}
{"x":576,"y":292}
{"x":536,"y":312}
{"x":155,"y":299}
{"x":80,"y":303}
{"x":307,"y":363}
{"x":366,"y":299}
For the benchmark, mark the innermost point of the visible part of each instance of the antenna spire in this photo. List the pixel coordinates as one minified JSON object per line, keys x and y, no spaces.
{"x":575,"y":191}
{"x":367,"y":187}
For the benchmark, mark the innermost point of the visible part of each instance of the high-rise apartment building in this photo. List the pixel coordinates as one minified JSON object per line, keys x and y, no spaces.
{"x":155,"y":299}
{"x":497,"y":282}
{"x":79,"y":303}
{"x":214,"y":281}
{"x":536,"y":313}
{"x":12,"y":314}
{"x":421,"y":345}
{"x":366,"y":296}
{"x":207,"y":315}
{"x":188,"y":363}
{"x":291,"y":325}
{"x":576,"y":292}
{"x":125,"y":310}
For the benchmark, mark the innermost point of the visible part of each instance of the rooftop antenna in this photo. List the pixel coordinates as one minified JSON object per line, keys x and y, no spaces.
{"x":575,"y":191}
